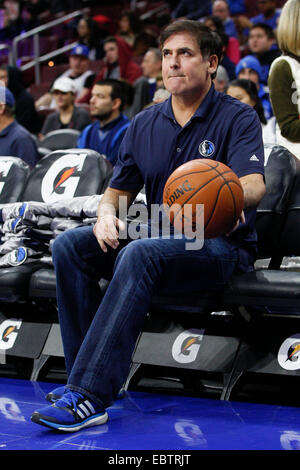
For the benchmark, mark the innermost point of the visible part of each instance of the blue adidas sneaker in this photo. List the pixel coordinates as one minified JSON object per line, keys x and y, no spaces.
{"x":70,"y":413}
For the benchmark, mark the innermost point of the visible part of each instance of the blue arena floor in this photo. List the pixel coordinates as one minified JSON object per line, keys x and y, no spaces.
{"x":148,"y":421}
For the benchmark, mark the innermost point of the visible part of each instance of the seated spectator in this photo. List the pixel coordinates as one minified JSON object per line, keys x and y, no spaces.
{"x":138,"y":37}
{"x":145,"y":86}
{"x":79,"y":72}
{"x":129,"y":26}
{"x":269,"y":15}
{"x":118,"y":64}
{"x":106,"y":133}
{"x":246,"y":92}
{"x":250,"y":69}
{"x":15,"y":140}
{"x":25,"y":112}
{"x":283,"y":80}
{"x":191,"y":9}
{"x":221,"y":81}
{"x":225,"y":61}
{"x":90,"y":35}
{"x":67,"y":115}
{"x":233,"y":47}
{"x":13,"y":24}
{"x":263,"y":45}
{"x":220,"y":8}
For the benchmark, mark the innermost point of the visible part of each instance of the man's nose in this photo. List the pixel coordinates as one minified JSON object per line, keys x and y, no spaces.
{"x":174,"y":62}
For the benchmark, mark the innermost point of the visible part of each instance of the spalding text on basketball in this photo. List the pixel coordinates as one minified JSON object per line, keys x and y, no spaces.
{"x":183,"y":188}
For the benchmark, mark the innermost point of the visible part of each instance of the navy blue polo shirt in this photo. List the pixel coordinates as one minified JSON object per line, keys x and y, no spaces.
{"x":222,"y":128}
{"x":16,"y":141}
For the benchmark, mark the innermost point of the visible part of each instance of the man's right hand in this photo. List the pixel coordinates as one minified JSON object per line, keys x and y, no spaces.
{"x":106,"y":230}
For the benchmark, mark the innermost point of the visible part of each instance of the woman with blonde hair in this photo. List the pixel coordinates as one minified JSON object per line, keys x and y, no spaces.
{"x":284,"y":78}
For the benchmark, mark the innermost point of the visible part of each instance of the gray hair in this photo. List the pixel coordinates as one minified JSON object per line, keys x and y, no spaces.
{"x":222,"y":75}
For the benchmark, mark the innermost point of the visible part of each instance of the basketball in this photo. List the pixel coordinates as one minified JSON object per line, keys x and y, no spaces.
{"x":208,"y":183}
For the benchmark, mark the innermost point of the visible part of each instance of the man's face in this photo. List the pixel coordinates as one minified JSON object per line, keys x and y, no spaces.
{"x":259,"y":41}
{"x":249,"y":74}
{"x":220,"y":9}
{"x":150,"y":65}
{"x":111,"y":52}
{"x":101,"y":104}
{"x":4,"y":77}
{"x":63,"y":100}
{"x":78,"y":64}
{"x":185,"y":72}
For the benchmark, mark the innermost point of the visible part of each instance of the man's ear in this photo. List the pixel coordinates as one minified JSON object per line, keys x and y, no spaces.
{"x":116,"y":103}
{"x":2,"y":108}
{"x":213,"y":63}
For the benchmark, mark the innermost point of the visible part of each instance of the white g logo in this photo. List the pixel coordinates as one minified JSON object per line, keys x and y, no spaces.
{"x":186,"y":346}
{"x":289,"y":353}
{"x":71,"y":163}
{"x":8,"y":333}
{"x":5,"y":166}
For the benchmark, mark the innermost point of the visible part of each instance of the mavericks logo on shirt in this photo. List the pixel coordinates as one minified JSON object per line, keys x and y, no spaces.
{"x":206,"y":148}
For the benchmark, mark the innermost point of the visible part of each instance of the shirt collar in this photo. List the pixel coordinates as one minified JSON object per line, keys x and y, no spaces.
{"x":201,"y":111}
{"x":111,"y":124}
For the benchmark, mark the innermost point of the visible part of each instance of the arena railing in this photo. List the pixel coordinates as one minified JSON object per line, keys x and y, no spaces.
{"x":34,"y":33}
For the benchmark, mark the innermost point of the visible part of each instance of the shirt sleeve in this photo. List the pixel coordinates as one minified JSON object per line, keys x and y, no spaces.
{"x":126,"y":175}
{"x":246,"y":151}
{"x":282,"y":94}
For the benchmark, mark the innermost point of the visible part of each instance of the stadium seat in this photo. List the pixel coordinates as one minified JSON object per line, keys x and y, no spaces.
{"x":289,"y":243}
{"x":90,"y":175}
{"x":42,"y":151}
{"x":13,"y":175}
{"x":61,"y":139}
{"x":281,"y":170}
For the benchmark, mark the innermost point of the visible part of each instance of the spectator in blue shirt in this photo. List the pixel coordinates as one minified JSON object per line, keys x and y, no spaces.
{"x":262,"y":45}
{"x":106,"y":133}
{"x":15,"y":140}
{"x":220,"y":8}
{"x":269,"y":13}
{"x":194,"y":122}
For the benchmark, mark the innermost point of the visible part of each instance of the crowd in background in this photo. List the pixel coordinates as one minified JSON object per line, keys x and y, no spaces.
{"x":114,"y":71}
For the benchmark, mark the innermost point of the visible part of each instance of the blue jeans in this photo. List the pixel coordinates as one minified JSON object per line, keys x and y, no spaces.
{"x":99,"y":340}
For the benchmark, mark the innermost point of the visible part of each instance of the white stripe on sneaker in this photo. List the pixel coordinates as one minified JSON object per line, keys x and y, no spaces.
{"x":87,"y":403}
{"x":82,"y":415}
{"x":84,"y":409}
